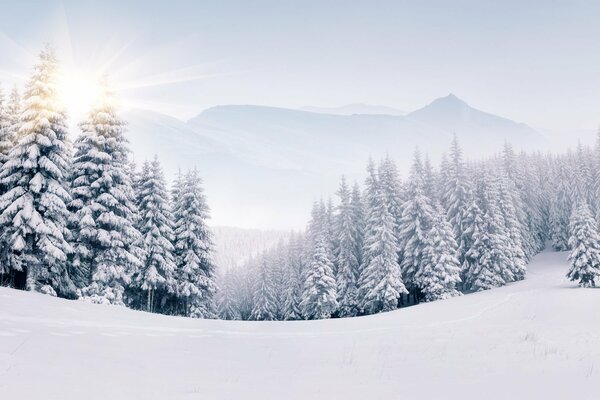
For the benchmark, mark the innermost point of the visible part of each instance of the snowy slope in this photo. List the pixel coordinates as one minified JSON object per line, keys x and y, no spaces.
{"x":534,"y":339}
{"x":356,"y":108}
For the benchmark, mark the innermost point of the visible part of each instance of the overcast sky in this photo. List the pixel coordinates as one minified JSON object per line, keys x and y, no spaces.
{"x":532,"y":61}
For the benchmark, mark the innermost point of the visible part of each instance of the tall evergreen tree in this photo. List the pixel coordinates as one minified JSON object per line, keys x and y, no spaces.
{"x":347,"y":261}
{"x":380,"y":285}
{"x":440,"y":272}
{"x":585,"y":242}
{"x":319,"y":293}
{"x":457,"y":197}
{"x":156,"y":276}
{"x":33,"y":211}
{"x":417,"y":217}
{"x":264,"y":307}
{"x":103,"y":208}
{"x":195,"y":273}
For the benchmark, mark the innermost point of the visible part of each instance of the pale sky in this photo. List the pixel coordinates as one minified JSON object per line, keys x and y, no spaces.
{"x":532,"y":61}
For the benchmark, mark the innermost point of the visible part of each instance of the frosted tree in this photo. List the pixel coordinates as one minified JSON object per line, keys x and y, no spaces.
{"x":264,"y":304}
{"x":585,"y":244}
{"x":560,"y":211}
{"x":156,"y":275}
{"x":195,"y":272}
{"x":294,"y":284}
{"x":472,"y":227}
{"x":490,"y":249}
{"x":457,"y":196}
{"x":358,"y":221}
{"x":103,"y":208}
{"x":417,"y":216}
{"x":33,"y":211}
{"x":227,"y":304}
{"x":347,"y":261}
{"x":381,"y":283}
{"x":440,"y":270}
{"x":319,"y":298}
{"x":513,"y":228}
{"x":389,"y":182}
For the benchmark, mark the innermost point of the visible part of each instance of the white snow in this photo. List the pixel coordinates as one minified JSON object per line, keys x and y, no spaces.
{"x":538,"y":338}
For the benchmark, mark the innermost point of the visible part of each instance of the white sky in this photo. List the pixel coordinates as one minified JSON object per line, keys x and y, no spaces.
{"x":534,"y":62}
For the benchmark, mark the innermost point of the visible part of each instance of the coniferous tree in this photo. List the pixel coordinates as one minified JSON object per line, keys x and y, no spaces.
{"x":381,"y":283}
{"x":457,"y":197}
{"x":195,"y":272}
{"x":560,"y":212}
{"x":319,"y":293}
{"x":585,"y":242}
{"x":347,"y":261}
{"x":264,"y":308}
{"x":155,"y":278}
{"x":440,"y":272}
{"x":490,"y":247}
{"x":417,"y":216}
{"x":293,"y":292}
{"x":103,"y":208}
{"x":33,"y":210}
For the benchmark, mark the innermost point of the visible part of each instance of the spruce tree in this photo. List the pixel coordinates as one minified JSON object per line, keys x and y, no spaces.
{"x":103,"y":208}
{"x":319,"y":293}
{"x":195,"y":272}
{"x":264,"y":307}
{"x":440,"y":271}
{"x":380,"y":282}
{"x":585,"y":244}
{"x":155,"y":278}
{"x":490,"y":249}
{"x":347,"y":262}
{"x":417,"y":216}
{"x":33,"y":211}
{"x":294,"y":284}
{"x":457,"y":196}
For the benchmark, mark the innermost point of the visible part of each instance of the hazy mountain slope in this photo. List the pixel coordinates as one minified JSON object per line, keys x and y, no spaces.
{"x":452,"y":114}
{"x":356,"y":108}
{"x":264,"y":166}
{"x":535,"y":339}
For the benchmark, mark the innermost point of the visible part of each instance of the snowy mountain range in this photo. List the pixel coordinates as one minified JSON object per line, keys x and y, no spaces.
{"x":356,"y":108}
{"x":264,"y":166}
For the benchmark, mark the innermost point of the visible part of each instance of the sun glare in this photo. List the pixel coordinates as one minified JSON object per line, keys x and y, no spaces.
{"x":80,"y":92}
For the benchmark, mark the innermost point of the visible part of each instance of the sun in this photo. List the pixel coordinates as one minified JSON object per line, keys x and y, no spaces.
{"x":80,"y":91}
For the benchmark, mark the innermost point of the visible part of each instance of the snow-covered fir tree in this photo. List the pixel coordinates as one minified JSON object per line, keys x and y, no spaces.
{"x":319,"y":298}
{"x":294,"y":284}
{"x":103,"y":208}
{"x":456,"y":196}
{"x":417,"y":217}
{"x":380,"y":282}
{"x":585,"y":244}
{"x":347,"y":261}
{"x":440,"y":273}
{"x":264,"y":305}
{"x":155,"y":278}
{"x":490,"y":253}
{"x":195,"y":273}
{"x":33,"y":211}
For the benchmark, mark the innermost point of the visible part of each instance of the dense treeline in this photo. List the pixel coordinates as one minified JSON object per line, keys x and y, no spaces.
{"x":463,"y":227}
{"x":76,"y":219}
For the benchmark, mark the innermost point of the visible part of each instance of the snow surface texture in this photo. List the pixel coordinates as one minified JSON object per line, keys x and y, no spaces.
{"x":538,"y":338}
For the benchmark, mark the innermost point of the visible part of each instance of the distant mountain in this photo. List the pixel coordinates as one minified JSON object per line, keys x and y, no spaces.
{"x":356,"y":108}
{"x":264,"y":166}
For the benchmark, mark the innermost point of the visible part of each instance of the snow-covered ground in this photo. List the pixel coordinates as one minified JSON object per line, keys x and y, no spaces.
{"x":536,"y":339}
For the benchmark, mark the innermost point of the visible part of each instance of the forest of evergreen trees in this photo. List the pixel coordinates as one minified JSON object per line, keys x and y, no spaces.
{"x":463,"y":227}
{"x":78,"y":221}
